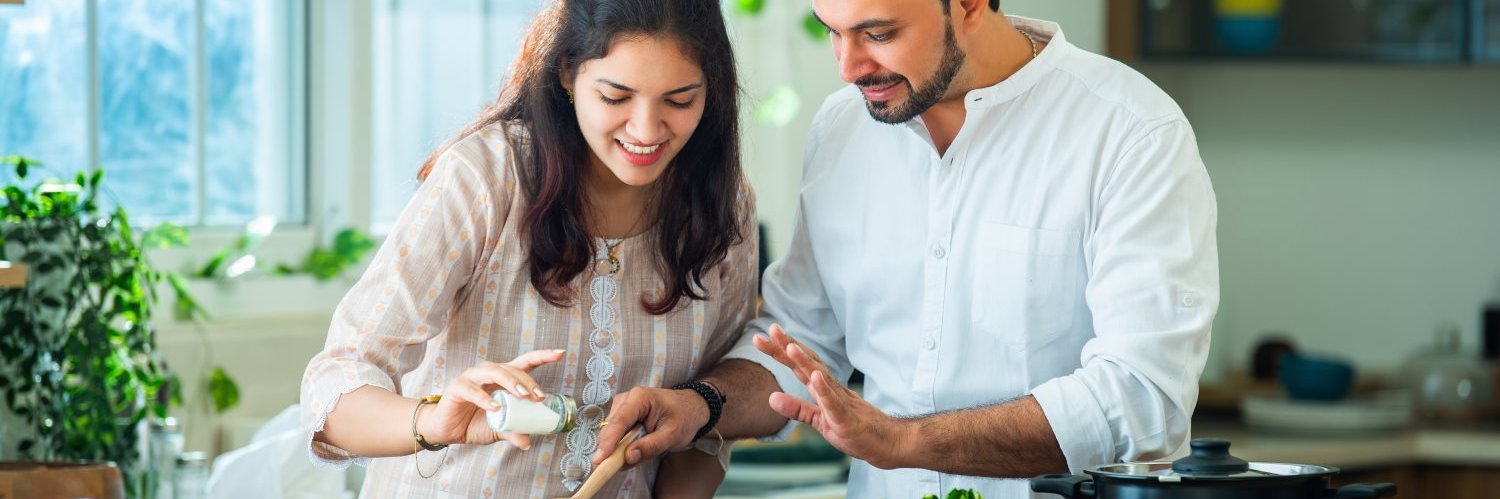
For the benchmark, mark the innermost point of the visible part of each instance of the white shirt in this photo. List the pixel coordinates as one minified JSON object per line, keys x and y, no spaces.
{"x":1063,"y":247}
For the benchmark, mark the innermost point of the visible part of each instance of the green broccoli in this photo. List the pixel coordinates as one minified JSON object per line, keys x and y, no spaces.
{"x":957,"y":494}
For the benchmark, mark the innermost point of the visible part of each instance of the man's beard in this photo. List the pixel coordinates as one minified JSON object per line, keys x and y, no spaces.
{"x":918,"y":100}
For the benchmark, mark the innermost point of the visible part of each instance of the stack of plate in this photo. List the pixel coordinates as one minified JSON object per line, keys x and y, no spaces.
{"x":1377,"y":412}
{"x":804,"y":459}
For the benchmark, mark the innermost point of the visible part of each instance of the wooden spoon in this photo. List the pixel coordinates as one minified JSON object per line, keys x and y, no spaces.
{"x":608,"y":467}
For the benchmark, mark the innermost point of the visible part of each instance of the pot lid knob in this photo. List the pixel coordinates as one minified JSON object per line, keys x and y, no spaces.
{"x":1210,"y":456}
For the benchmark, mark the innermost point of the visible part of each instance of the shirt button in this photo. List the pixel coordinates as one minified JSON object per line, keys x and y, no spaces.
{"x":938,"y":252}
{"x":1189,"y":300}
{"x":929,"y":343}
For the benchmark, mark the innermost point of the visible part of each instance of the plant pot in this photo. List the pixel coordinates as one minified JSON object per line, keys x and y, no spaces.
{"x":1210,"y":472}
{"x":49,"y":480}
{"x":46,"y":251}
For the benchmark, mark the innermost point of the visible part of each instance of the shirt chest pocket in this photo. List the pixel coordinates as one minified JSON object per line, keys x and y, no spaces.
{"x":1026,"y":284}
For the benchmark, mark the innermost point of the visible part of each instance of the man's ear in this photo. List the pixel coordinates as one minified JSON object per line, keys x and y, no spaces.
{"x":968,"y":14}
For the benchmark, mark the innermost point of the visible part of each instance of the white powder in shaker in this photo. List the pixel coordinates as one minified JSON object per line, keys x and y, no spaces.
{"x":518,"y":415}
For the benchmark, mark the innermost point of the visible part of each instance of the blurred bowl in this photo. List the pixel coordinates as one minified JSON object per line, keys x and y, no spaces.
{"x":1248,"y":35}
{"x":1316,"y":378}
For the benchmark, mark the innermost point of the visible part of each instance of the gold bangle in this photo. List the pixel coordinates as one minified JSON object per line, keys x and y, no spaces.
{"x":430,"y":399}
{"x":422,"y":442}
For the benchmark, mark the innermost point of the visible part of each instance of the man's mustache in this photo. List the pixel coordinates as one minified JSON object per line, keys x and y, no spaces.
{"x":879,"y":80}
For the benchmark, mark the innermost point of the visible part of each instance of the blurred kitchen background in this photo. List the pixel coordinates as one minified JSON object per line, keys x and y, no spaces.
{"x":1354,"y":146}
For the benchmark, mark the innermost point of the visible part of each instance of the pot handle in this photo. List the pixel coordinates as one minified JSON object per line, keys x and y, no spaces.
{"x":1366,"y":490}
{"x":1069,"y":486}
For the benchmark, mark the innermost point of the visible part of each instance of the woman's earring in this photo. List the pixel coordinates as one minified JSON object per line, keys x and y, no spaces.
{"x":570,"y":96}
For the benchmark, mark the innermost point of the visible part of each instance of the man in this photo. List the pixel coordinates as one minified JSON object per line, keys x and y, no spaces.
{"x":1012,"y":238}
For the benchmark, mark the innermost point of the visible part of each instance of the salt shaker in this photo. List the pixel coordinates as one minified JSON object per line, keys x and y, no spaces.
{"x":166,"y":444}
{"x":556,"y":413}
{"x":190,"y":479}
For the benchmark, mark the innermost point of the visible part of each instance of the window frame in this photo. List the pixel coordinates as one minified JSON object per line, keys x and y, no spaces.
{"x":328,"y":138}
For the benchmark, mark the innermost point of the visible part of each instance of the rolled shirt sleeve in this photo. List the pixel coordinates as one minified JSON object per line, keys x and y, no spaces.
{"x":1153,"y":292}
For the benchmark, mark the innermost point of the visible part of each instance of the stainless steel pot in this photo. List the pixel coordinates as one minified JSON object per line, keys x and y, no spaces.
{"x":1209,"y":472}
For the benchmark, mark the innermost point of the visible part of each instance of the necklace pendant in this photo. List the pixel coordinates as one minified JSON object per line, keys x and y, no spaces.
{"x":604,"y":267}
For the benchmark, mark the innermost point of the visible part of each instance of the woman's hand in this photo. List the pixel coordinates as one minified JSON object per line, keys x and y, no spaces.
{"x":459,"y":418}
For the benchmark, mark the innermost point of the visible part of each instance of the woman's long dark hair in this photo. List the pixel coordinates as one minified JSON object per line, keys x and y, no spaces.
{"x":696,"y":195}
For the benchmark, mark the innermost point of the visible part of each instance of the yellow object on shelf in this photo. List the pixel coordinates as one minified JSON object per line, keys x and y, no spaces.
{"x":12,"y":275}
{"x":1248,"y":8}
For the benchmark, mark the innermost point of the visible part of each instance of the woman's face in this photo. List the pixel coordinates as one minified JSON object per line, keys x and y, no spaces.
{"x":637,"y":106}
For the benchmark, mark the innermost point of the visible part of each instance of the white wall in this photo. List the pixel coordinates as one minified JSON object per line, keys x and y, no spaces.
{"x":1082,"y":21}
{"x":1359,"y":204}
{"x":771,"y":50}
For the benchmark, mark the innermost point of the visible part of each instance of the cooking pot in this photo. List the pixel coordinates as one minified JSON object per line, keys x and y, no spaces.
{"x":1209,"y":472}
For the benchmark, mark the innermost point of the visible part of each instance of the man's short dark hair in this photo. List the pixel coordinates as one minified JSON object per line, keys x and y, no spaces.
{"x":994,"y":5}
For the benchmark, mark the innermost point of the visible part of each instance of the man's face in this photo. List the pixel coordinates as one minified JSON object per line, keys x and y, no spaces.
{"x":902,"y":54}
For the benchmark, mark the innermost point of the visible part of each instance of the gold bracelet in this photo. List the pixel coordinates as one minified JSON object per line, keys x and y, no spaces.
{"x":422,"y":442}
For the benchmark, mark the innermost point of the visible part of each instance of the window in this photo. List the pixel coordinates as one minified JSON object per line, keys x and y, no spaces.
{"x":437,"y":64}
{"x":192,"y":107}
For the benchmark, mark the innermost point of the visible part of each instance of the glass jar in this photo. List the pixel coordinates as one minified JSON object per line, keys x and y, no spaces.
{"x":190,"y":479}
{"x":556,"y":413}
{"x":166,"y":444}
{"x":1450,"y":385}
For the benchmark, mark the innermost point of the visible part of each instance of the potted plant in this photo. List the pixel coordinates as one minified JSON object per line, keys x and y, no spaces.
{"x":79,"y":367}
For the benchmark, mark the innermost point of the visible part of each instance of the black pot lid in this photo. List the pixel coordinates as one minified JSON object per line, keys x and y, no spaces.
{"x":1210,"y":460}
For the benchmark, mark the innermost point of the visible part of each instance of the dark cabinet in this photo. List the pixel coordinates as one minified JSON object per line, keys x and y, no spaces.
{"x":1429,"y":481}
{"x":1421,"y":31}
{"x":1487,"y":31}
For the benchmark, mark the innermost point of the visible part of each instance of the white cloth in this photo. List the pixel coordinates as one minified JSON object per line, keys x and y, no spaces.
{"x":1063,"y":247}
{"x":274,"y":465}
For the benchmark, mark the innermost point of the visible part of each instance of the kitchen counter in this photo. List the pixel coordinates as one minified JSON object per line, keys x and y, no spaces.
{"x":1467,"y":446}
{"x":824,"y":491}
{"x":1476,"y":446}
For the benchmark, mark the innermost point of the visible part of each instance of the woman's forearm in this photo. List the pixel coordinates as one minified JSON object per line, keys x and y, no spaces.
{"x":371,"y":422}
{"x":688,"y":474}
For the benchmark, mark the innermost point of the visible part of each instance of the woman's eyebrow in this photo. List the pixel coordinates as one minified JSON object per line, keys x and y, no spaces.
{"x":624,"y":88}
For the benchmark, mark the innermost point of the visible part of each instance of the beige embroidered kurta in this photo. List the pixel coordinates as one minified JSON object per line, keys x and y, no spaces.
{"x":448,"y":289}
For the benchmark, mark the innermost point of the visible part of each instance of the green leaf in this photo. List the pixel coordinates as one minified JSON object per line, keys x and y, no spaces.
{"x":97,"y":178}
{"x":174,"y":385}
{"x":813,"y":27}
{"x":123,"y":223}
{"x":352,"y":245}
{"x":323,"y":264}
{"x":223,"y":390}
{"x":167,"y":235}
{"x":244,"y":242}
{"x":187,"y":307}
{"x":779,"y":107}
{"x":749,"y":6}
{"x":22,"y":167}
{"x":963,"y":494}
{"x":211,"y":269}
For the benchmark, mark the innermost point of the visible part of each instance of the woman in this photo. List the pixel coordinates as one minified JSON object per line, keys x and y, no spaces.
{"x":590,"y":233}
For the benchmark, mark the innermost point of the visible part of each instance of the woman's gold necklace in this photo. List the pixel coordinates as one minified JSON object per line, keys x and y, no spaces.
{"x":611,"y":249}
